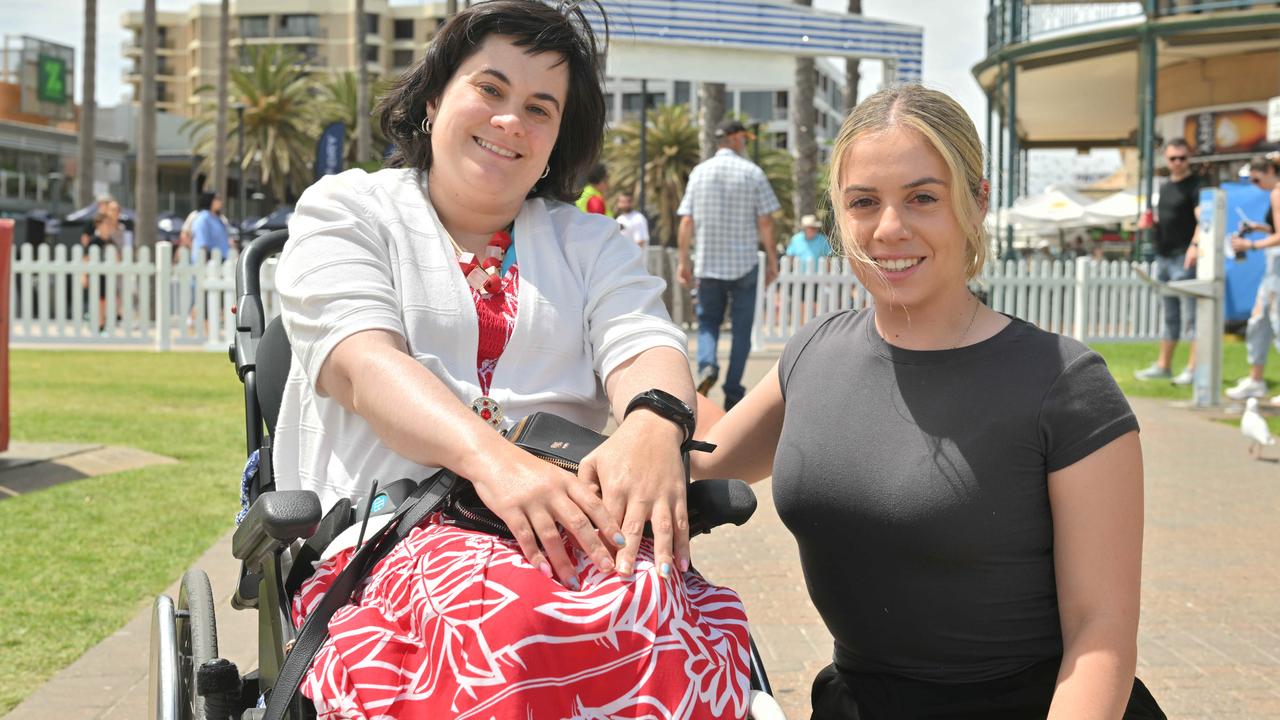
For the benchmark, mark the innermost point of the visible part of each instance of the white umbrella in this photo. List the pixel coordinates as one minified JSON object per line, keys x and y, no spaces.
{"x":1117,"y":207}
{"x":1055,"y":207}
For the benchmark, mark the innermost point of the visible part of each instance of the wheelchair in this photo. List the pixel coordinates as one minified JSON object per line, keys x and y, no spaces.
{"x":282,"y":535}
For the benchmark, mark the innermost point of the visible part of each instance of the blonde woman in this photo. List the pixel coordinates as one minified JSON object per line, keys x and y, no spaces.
{"x":965,"y":489}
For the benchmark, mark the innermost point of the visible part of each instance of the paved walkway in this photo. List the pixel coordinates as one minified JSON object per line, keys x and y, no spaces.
{"x":1210,"y":634}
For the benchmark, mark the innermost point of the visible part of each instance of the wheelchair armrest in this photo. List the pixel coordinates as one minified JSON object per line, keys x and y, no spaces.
{"x":275,"y":520}
{"x":713,"y":503}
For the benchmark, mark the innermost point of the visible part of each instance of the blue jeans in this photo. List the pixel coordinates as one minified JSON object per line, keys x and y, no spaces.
{"x":713,"y":295}
{"x":1179,"y":311}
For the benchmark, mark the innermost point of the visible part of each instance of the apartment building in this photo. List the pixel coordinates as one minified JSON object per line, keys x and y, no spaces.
{"x":321,"y":31}
{"x":396,"y":36}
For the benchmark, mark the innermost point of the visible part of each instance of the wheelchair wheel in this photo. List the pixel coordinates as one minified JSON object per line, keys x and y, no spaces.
{"x":196,"y":637}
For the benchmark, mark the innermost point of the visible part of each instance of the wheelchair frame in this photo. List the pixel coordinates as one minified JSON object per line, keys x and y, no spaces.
{"x":188,"y":681}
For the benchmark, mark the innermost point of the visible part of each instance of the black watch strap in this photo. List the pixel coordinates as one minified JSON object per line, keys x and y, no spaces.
{"x":665,"y":405}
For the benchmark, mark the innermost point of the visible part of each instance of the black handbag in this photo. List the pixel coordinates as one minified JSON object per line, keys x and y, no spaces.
{"x":560,"y":442}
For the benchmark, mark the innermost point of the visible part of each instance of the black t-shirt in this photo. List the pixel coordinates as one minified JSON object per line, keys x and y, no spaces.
{"x":916,"y":485}
{"x":1176,"y":213}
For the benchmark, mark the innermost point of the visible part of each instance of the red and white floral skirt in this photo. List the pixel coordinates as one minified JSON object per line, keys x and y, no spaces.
{"x":456,"y":624}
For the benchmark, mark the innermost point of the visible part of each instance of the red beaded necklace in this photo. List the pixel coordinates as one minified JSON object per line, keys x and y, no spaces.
{"x":484,"y":273}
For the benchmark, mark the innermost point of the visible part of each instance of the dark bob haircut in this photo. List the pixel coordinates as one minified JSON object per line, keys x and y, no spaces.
{"x":536,"y":27}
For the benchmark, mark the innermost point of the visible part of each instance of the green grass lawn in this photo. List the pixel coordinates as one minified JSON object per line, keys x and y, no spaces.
{"x":83,"y":557}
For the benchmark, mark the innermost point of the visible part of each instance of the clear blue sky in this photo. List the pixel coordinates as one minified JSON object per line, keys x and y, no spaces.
{"x":954,"y":38}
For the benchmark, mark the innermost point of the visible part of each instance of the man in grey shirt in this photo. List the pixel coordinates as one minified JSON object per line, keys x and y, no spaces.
{"x":726,"y":214}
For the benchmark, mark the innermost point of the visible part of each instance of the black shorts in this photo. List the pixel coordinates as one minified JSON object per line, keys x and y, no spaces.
{"x":868,"y":696}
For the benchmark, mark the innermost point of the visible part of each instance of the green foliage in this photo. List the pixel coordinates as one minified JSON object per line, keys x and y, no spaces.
{"x":671,"y":144}
{"x":279,"y":120}
{"x":82,"y":557}
{"x":336,"y":101}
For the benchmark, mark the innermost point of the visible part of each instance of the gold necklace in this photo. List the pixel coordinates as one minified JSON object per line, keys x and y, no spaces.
{"x":972,"y":316}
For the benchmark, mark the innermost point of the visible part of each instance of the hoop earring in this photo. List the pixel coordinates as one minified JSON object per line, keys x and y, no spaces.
{"x":545,"y":172}
{"x":425,"y":125}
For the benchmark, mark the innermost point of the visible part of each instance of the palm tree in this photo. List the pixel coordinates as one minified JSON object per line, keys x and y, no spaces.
{"x":851,"y":74}
{"x":779,"y":168}
{"x":88,"y":105}
{"x":220,"y":134}
{"x":337,"y":100}
{"x":363,"y":139}
{"x":804,"y":118}
{"x":710,"y":113}
{"x":147,"y":178}
{"x":672,"y":151}
{"x":279,"y":137}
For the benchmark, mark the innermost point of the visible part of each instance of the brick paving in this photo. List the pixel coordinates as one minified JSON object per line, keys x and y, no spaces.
{"x":1209,"y":644}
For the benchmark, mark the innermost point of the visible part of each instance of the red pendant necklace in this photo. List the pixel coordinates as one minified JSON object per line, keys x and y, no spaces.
{"x":484,"y":273}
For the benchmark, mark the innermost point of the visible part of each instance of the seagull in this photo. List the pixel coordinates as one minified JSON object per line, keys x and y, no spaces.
{"x":1254,"y":427}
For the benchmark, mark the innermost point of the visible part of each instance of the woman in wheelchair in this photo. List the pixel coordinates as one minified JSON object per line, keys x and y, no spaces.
{"x":432,"y":303}
{"x":964,"y":488}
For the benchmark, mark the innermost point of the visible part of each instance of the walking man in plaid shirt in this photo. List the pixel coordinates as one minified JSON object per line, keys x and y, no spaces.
{"x":727,"y":214}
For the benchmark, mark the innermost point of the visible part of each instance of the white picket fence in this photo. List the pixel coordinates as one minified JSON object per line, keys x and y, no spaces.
{"x":164,"y":300}
{"x":161,"y":299}
{"x":1085,"y":299}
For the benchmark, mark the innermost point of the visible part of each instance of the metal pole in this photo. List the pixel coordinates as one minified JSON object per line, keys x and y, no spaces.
{"x":644,"y":133}
{"x":240,"y":165}
{"x":1015,"y":21}
{"x":755,"y":147}
{"x":1146,"y":124}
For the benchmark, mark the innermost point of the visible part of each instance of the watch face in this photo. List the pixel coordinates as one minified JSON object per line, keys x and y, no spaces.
{"x":675,"y":404}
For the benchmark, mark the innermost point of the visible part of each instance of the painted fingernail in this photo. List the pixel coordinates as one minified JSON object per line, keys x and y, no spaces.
{"x":624,"y":568}
{"x":665,"y":570}
{"x":620,"y":540}
{"x":545,"y":569}
{"x":684,"y":564}
{"x":606,"y":565}
{"x":574,"y":584}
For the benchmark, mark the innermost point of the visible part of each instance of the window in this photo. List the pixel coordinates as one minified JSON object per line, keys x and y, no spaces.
{"x":254,"y":26}
{"x":404,"y":30}
{"x":371,"y":53}
{"x":310,"y":52}
{"x":402,"y":58}
{"x":682,"y":92}
{"x":780,"y":140}
{"x":757,"y":105}
{"x":371,"y":22}
{"x":631,"y":104}
{"x":299,"y":26}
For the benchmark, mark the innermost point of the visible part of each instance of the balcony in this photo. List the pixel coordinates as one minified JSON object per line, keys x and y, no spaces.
{"x":1044,"y":21}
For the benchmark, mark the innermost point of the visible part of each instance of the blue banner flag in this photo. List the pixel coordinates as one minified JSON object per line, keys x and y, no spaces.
{"x":329,"y":150}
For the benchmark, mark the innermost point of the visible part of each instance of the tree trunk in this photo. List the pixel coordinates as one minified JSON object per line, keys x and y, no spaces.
{"x":220,"y":124}
{"x":804,"y":116}
{"x":145,"y":194}
{"x":852,"y":76}
{"x":89,"y":106}
{"x":710,"y":113}
{"x":364,"y":138}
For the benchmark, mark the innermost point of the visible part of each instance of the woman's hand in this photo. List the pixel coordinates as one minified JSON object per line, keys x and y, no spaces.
{"x":535,"y":498}
{"x":641,"y":476}
{"x":1239,"y":244}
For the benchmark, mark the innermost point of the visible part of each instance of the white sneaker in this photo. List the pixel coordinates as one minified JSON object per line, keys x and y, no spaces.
{"x":1248,"y":388}
{"x":1186,"y":377}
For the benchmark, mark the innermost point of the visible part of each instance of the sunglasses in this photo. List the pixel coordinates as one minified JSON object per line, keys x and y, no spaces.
{"x":1177,"y":158}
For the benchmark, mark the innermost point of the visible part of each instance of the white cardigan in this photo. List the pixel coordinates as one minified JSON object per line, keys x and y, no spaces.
{"x":366,"y":252}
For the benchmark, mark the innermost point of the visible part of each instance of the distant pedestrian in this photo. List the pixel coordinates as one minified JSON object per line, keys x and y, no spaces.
{"x":810,"y":244}
{"x":726,"y":214}
{"x":1264,"y":322}
{"x":1175,"y":226}
{"x":635,"y":226}
{"x":592,"y":198}
{"x":808,"y":247}
{"x":209,"y":231}
{"x":91,"y":222}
